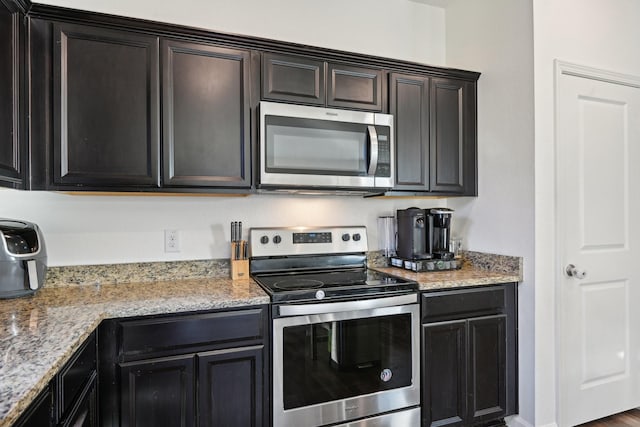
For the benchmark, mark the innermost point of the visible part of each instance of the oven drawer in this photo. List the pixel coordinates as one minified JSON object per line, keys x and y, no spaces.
{"x":459,"y":304}
{"x":177,"y":334}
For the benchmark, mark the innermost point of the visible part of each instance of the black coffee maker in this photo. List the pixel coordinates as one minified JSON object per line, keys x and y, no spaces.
{"x":441,"y":232}
{"x":414,"y":242}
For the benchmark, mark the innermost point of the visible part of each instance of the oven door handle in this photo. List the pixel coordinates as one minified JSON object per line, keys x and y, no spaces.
{"x":333,"y":307}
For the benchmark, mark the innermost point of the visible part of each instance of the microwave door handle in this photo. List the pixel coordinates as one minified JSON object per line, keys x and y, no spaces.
{"x":373,"y":145}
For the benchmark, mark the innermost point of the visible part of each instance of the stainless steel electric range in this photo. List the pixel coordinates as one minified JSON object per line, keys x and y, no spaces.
{"x":345,"y":338}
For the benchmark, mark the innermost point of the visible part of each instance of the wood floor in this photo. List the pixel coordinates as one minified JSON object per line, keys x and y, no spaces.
{"x":625,"y":419}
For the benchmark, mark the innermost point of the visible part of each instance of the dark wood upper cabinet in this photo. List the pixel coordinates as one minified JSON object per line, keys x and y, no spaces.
{"x":106,"y":107}
{"x":120,"y":104}
{"x":355,"y":87}
{"x":435,"y":129}
{"x":409,"y":103}
{"x":12,"y":106}
{"x":293,"y":79}
{"x":453,"y":136}
{"x":313,"y":81}
{"x":206,"y":110}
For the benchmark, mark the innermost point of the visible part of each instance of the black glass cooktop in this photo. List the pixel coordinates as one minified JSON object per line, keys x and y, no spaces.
{"x":334,"y":284}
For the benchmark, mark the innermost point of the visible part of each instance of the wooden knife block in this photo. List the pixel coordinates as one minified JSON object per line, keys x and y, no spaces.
{"x":239,"y":267}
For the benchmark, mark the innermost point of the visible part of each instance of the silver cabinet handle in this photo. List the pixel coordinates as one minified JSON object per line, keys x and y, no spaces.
{"x":572,"y":271}
{"x":373,"y":144}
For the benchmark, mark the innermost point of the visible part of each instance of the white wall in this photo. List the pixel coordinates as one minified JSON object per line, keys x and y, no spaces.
{"x":495,"y":37}
{"x":82,"y":230}
{"x":100,"y":230}
{"x":596,"y":33}
{"x":399,"y":29}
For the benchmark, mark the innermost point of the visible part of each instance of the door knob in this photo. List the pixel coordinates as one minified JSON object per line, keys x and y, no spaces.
{"x":572,"y":271}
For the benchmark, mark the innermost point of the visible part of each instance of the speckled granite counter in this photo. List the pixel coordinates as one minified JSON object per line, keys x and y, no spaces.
{"x":39,"y":334}
{"x":478,"y":269}
{"x":465,"y":277}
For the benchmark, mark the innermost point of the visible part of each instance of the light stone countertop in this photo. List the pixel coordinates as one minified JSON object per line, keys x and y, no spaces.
{"x":39,"y":334}
{"x":467,"y":276}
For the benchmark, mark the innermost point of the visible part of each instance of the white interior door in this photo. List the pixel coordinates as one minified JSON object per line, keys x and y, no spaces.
{"x":598,"y":140}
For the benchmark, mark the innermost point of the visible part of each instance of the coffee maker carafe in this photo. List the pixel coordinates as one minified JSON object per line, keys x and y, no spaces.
{"x":441,"y":232}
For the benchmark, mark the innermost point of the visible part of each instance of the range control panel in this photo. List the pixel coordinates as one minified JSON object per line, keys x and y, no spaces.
{"x":283,"y":241}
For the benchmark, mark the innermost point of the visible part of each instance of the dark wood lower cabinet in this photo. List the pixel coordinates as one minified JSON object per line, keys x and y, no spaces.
{"x":84,"y":414}
{"x":197,"y":369}
{"x":444,"y":378}
{"x":39,"y":413}
{"x":70,"y":399}
{"x":469,"y":351}
{"x":231,"y":387}
{"x":158,"y":392}
{"x":487,"y":373}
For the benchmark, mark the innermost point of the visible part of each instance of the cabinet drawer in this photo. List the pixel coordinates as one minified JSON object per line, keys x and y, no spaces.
{"x":75,"y":374}
{"x":168,"y":334}
{"x":355,"y":87}
{"x":463,"y":303}
{"x":293,"y":79}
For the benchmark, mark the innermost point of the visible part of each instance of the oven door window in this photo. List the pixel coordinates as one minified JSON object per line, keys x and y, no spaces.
{"x":318,"y":147}
{"x":340,"y":359}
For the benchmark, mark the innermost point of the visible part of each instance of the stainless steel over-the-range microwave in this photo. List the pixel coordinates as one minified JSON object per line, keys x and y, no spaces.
{"x":325,"y":148}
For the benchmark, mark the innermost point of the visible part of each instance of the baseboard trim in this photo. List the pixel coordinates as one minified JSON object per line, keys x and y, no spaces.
{"x":518,"y":421}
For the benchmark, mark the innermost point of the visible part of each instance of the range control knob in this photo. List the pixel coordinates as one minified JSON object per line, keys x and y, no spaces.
{"x":277,"y":239}
{"x":356,"y":237}
{"x":264,"y":240}
{"x":345,"y":237}
{"x":320,"y":294}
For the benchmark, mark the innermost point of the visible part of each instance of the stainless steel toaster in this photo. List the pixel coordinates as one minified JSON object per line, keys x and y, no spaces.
{"x":23,"y":258}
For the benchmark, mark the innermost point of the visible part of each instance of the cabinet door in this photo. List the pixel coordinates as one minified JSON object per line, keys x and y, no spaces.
{"x":158,"y":392}
{"x":488,"y":368}
{"x":39,"y":413}
{"x":231,"y":387}
{"x":293,"y":79}
{"x":12,"y":145}
{"x":206,"y":109}
{"x":409,"y":104}
{"x":355,"y":87}
{"x":84,"y":412}
{"x":106,"y":110}
{"x":74,"y":376}
{"x":444,"y":374}
{"x":453,"y":136}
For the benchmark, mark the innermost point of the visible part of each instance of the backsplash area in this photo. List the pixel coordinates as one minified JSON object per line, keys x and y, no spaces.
{"x":92,"y":230}
{"x":146,"y":272}
{"x":140,"y":272}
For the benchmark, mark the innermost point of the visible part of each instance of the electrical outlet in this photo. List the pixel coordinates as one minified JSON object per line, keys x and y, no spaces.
{"x":171,"y":241}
